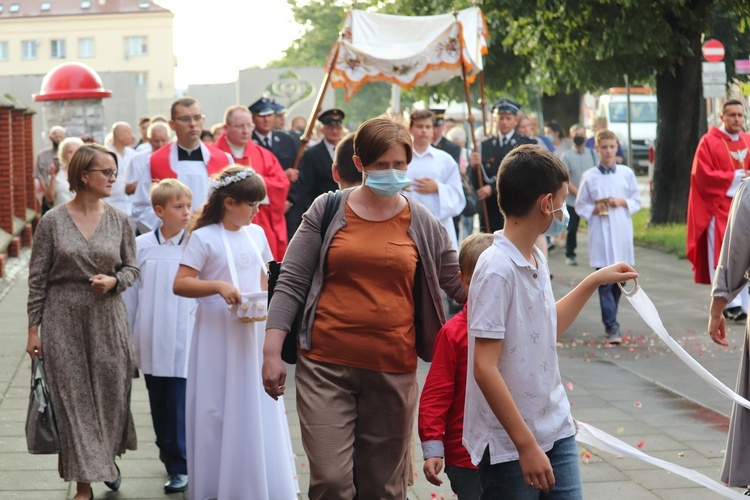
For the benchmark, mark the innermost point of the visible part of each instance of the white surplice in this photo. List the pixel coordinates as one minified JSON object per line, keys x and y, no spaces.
{"x":193,"y":174}
{"x":118,"y":198}
{"x":610,"y":236}
{"x":161,"y":322}
{"x":238,"y":442}
{"x":449,"y":200}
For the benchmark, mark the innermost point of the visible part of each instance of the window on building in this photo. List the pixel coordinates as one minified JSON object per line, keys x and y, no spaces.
{"x":46,"y":6}
{"x":14,"y":7}
{"x":28,"y":50}
{"x":57,"y":49}
{"x":142,"y":78}
{"x":85,"y":47}
{"x":3,"y":51}
{"x":1,"y":8}
{"x":144,"y":5}
{"x":85,"y":4}
{"x":135,"y":46}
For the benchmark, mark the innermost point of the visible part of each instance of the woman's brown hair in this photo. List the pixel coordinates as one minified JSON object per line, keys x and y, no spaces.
{"x":251,"y":189}
{"x":376,"y":136}
{"x":82,"y":160}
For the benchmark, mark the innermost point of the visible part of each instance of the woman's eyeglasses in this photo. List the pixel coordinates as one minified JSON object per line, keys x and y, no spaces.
{"x":108,"y":172}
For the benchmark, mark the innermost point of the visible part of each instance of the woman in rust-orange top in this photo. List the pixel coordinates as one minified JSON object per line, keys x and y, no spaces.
{"x":371,"y":303}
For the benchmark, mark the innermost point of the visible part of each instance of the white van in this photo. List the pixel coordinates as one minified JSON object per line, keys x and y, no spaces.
{"x":613,"y":105}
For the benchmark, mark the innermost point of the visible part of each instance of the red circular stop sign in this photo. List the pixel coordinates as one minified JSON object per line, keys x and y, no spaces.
{"x":713,"y":51}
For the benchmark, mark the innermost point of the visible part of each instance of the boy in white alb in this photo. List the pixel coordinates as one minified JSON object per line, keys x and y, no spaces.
{"x":517,"y":422}
{"x":608,"y":196}
{"x":162,"y":325}
{"x":436,"y":179}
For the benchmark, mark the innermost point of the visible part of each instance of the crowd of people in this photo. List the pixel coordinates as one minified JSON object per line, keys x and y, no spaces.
{"x":152,"y":255}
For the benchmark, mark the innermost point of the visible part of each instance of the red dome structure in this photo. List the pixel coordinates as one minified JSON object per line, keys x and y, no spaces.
{"x":71,"y":80}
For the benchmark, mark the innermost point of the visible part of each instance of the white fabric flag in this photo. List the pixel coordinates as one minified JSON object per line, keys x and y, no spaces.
{"x":597,"y":438}
{"x":407,"y":50}
{"x":646,"y":309}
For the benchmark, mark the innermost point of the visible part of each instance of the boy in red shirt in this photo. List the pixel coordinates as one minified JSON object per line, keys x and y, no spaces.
{"x":441,"y":407}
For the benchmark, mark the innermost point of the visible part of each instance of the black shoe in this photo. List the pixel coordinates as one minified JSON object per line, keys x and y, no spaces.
{"x":114,"y":485}
{"x":741,"y":317}
{"x":176,"y":483}
{"x":732,"y":312}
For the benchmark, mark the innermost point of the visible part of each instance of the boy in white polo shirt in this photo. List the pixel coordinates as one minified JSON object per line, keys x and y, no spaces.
{"x":517,"y":423}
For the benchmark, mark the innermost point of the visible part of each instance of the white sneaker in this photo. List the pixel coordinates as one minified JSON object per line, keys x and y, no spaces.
{"x":571,"y":261}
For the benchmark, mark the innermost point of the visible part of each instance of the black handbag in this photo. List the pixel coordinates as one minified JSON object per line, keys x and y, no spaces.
{"x":41,"y":429}
{"x":289,"y":348}
{"x":473,"y":205}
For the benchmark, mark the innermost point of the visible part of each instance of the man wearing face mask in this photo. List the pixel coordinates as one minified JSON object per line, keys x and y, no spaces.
{"x":577,"y":160}
{"x":494,"y":149}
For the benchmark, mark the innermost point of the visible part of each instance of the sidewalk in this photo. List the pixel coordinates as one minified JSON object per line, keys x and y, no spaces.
{"x":678,"y":417}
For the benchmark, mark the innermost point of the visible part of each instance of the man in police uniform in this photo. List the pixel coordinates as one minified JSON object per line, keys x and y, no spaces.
{"x":439,"y":140}
{"x":494,"y":149}
{"x":315,"y":176}
{"x":279,"y":143}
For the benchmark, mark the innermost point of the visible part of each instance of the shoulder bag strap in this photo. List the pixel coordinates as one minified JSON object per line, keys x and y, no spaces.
{"x":333,"y":201}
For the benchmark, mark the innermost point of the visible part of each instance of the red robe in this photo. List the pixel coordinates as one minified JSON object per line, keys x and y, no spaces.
{"x":271,"y":217}
{"x":161,"y":168}
{"x":713,"y":171}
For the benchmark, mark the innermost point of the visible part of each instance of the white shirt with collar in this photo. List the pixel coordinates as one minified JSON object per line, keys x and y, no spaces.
{"x":449,"y":199}
{"x":174,"y":241}
{"x":330,"y":148}
{"x":506,"y":137}
{"x":512,"y":300}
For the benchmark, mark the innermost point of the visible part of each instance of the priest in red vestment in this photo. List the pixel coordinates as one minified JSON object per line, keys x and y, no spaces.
{"x":236,"y":140}
{"x":721,"y":162}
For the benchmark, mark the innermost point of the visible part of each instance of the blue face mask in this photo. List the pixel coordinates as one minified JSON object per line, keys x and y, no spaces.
{"x":387,"y":182}
{"x":558,"y":226}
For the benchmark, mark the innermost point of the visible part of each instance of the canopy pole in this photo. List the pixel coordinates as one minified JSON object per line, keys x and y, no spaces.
{"x":467,"y":94}
{"x":483,"y":102}
{"x":316,"y":108}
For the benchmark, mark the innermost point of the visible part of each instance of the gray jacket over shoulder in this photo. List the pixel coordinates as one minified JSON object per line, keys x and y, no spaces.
{"x":301,"y":279}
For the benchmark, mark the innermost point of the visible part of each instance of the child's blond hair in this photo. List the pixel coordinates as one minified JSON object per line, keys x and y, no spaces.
{"x":471,"y":248}
{"x":168,"y":189}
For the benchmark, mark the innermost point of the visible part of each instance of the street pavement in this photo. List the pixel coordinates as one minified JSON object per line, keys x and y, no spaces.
{"x":639,"y":392}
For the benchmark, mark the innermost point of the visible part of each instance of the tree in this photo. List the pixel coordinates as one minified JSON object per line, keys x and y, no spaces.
{"x":565,"y":49}
{"x":561,"y":47}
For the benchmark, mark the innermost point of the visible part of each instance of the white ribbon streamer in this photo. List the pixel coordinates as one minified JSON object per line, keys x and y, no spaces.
{"x":597,"y":438}
{"x":646,"y":309}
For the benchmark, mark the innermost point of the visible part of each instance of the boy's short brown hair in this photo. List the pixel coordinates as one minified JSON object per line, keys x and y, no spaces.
{"x":421,"y":114}
{"x":168,"y":189}
{"x":528,"y":172}
{"x":342,"y":161}
{"x":471,"y":248}
{"x":605,"y":135}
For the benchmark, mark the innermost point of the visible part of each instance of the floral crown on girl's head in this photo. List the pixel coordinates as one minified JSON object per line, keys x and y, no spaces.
{"x":239,"y":176}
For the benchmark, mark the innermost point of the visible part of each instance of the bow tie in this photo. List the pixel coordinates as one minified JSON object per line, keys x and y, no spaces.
{"x":194,"y":155}
{"x":607,"y":170}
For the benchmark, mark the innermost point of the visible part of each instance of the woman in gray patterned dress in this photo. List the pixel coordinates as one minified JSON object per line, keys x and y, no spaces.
{"x":82,"y":258}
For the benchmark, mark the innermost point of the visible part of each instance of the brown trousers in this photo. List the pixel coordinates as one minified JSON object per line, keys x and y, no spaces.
{"x":343,"y":409}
